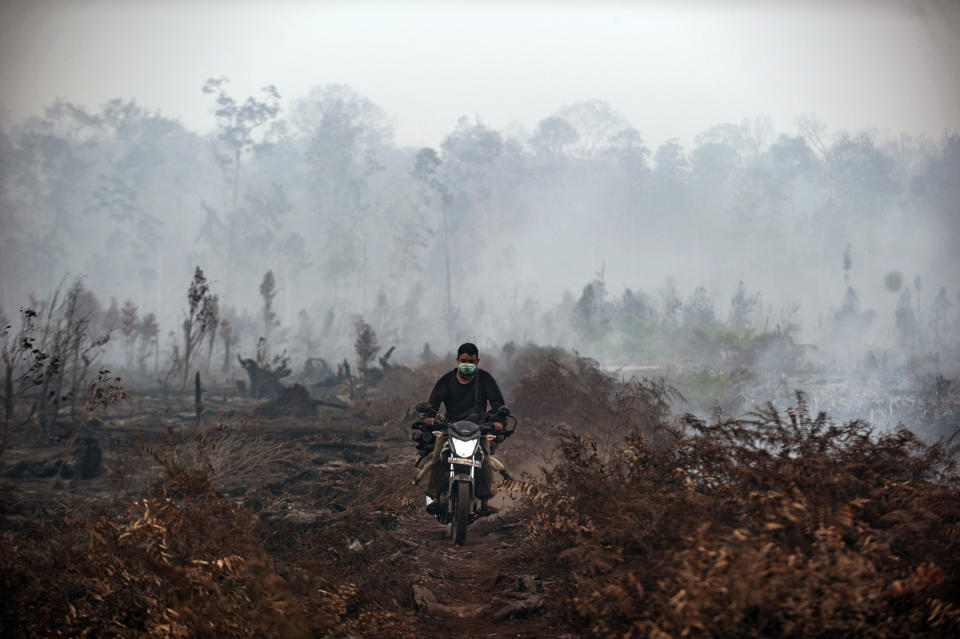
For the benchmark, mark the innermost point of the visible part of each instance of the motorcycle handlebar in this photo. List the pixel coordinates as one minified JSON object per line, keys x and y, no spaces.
{"x":501,"y":415}
{"x":441,"y":424}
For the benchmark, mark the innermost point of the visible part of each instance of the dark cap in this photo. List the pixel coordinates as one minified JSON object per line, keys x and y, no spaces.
{"x":469,"y":349}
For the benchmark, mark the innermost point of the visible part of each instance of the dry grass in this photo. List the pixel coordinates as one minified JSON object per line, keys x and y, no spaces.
{"x":230,"y":456}
{"x":185,"y":561}
{"x":181,"y":562}
{"x":572,"y":391}
{"x":778,"y":525}
{"x":782,"y":525}
{"x":396,"y":393}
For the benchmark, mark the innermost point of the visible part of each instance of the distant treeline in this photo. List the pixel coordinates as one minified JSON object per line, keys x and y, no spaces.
{"x":465,"y":239}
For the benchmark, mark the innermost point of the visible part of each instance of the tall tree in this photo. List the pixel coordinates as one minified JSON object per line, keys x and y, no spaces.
{"x":741,"y":307}
{"x":268,"y":290}
{"x":149,"y":332}
{"x":427,"y":170}
{"x":344,"y":133}
{"x":553,"y":137}
{"x":596,"y":124}
{"x":237,"y":123}
{"x":937,"y":191}
{"x":129,"y":325}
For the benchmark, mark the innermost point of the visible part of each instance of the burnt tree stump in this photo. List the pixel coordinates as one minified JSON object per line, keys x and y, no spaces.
{"x":264,"y":382}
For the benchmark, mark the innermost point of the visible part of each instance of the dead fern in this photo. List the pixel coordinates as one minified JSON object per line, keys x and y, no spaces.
{"x":782,"y":524}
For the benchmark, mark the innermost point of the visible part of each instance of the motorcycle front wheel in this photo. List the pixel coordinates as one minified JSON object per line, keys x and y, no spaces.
{"x":461,"y":514}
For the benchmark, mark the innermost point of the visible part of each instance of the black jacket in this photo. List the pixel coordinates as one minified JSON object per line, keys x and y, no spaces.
{"x":466,"y":401}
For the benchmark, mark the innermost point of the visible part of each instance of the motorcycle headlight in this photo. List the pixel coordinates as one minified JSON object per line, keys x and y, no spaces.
{"x":464,"y":448}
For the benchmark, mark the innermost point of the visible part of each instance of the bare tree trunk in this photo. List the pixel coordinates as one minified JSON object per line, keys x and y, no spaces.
{"x":446,"y":258}
{"x":233,"y":213}
{"x":8,"y":395}
{"x":226,"y":356}
{"x":7,"y":406}
{"x":197,"y":396}
{"x":236,"y":179}
{"x":212,"y":337}
{"x":364,"y":301}
{"x":77,"y":376}
{"x":187,"y":348}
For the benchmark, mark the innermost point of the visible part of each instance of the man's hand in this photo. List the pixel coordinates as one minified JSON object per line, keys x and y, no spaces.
{"x":429,"y":421}
{"x":497,"y":426}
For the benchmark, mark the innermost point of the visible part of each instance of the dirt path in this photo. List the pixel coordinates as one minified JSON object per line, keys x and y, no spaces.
{"x":468,"y":591}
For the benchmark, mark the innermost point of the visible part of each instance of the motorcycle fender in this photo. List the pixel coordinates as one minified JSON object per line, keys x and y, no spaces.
{"x":454,"y":480}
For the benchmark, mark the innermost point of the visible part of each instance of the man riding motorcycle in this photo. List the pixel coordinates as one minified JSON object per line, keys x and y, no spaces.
{"x":465,"y":392}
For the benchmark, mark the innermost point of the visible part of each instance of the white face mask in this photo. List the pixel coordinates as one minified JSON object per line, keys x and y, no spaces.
{"x":467,"y":370}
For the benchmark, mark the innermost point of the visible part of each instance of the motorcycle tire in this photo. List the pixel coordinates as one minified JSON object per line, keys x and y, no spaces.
{"x":461,"y":514}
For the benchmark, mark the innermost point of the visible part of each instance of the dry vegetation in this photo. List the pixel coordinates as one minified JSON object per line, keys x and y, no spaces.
{"x":640,"y":524}
{"x":304,"y":556}
{"x":782,"y":525}
{"x":180,"y":562}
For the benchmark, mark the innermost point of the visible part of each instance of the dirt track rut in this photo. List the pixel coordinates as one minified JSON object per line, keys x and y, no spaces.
{"x":467,"y":591}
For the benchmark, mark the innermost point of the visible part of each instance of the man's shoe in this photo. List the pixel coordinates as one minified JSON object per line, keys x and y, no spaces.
{"x":486,"y":511}
{"x":434,"y":507}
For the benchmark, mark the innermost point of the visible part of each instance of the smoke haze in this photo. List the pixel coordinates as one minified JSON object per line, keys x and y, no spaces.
{"x":579,"y":174}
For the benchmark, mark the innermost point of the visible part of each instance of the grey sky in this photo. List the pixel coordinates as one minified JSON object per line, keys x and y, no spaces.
{"x":671,"y":71}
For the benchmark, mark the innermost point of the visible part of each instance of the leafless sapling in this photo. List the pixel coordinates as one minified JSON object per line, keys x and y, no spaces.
{"x":201,"y":318}
{"x":66,"y":338}
{"x":24,"y":368}
{"x":101,"y":392}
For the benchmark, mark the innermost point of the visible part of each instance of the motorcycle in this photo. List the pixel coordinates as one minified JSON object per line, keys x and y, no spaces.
{"x":464,"y":455}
